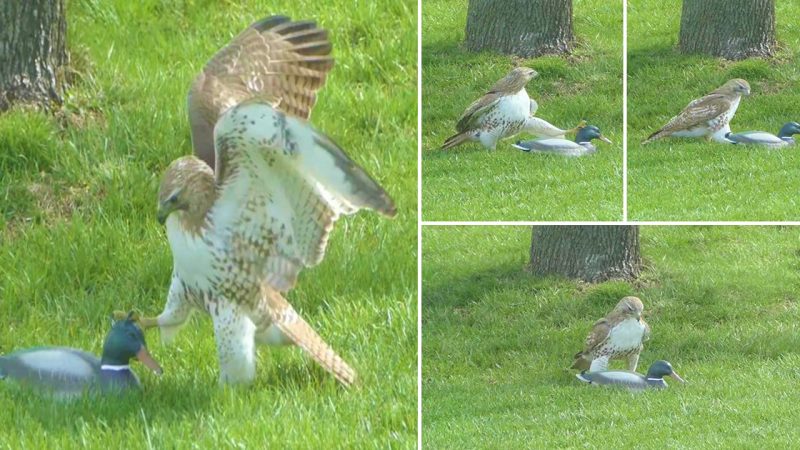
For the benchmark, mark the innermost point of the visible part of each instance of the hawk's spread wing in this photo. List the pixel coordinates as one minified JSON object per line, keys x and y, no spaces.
{"x":598,"y":335}
{"x":699,"y":112}
{"x":282,"y":186}
{"x":476,"y":110}
{"x":274,"y":58}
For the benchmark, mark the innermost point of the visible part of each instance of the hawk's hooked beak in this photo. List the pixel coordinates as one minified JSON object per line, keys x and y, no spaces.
{"x":144,"y":357}
{"x":162,"y":216}
{"x":164,"y":210}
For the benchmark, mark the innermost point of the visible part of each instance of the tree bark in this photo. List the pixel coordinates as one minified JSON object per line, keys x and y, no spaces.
{"x":33,"y":51}
{"x":592,"y":253}
{"x":732,"y":29}
{"x":525,"y":28}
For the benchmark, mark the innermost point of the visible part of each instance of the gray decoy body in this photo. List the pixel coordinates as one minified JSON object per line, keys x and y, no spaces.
{"x":582,"y":145}
{"x":67,"y":372}
{"x":632,"y":380}
{"x":782,"y":139}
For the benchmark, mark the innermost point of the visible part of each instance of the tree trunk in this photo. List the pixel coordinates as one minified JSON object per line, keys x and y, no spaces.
{"x":33,"y":50}
{"x":732,"y":29}
{"x":524,"y":28}
{"x":592,"y":253}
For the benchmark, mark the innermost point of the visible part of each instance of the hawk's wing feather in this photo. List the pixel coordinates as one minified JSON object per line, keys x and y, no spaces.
{"x":477,"y":110}
{"x":598,"y":335}
{"x":698,"y":112}
{"x":282,"y":186}
{"x":274,"y":58}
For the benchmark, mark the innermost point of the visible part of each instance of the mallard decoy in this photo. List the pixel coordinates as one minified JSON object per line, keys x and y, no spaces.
{"x":632,"y":380}
{"x":783,"y":139}
{"x":581,"y":146}
{"x":67,"y":372}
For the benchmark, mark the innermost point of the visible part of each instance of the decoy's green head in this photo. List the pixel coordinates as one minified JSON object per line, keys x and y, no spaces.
{"x":789,"y":129}
{"x":661,"y":369}
{"x":187,"y":187}
{"x":589,"y":132}
{"x":126,"y":341}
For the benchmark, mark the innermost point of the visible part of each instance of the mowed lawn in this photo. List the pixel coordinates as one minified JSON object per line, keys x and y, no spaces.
{"x":79,"y":237}
{"x":472,"y":183}
{"x":690,"y":179}
{"x":723,"y":306}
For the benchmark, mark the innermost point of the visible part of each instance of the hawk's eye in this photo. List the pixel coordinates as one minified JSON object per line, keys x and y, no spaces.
{"x":173,"y":198}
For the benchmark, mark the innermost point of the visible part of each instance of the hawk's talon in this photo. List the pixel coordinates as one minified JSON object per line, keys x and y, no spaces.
{"x":143,"y":322}
{"x":582,"y":124}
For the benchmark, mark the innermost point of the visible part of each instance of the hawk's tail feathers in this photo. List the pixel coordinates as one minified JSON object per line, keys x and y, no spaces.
{"x":301,"y":334}
{"x":306,"y":338}
{"x":657,"y":135}
{"x":456,"y":140}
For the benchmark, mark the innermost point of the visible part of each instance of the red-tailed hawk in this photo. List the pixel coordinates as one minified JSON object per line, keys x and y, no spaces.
{"x":707,"y":116}
{"x":503,"y":112}
{"x":620,"y":334}
{"x":240,"y":233}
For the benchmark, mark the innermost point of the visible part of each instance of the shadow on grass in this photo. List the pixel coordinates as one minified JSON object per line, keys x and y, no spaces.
{"x":466,"y":289}
{"x":165,"y":400}
{"x":436,"y":152}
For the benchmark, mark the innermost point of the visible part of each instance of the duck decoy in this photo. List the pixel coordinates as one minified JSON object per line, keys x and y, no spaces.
{"x":783,"y":139}
{"x":581,"y":146}
{"x":68,"y":372}
{"x":632,"y":380}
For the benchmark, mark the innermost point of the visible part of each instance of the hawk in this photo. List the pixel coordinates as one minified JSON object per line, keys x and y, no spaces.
{"x":707,"y":116}
{"x":618,"y":335}
{"x":501,"y":113}
{"x":257,"y":203}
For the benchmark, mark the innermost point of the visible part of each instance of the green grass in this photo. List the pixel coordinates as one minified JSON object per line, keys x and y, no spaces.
{"x":723,"y":306}
{"x":472,"y":183}
{"x":683,"y":179}
{"x":78,"y":236}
